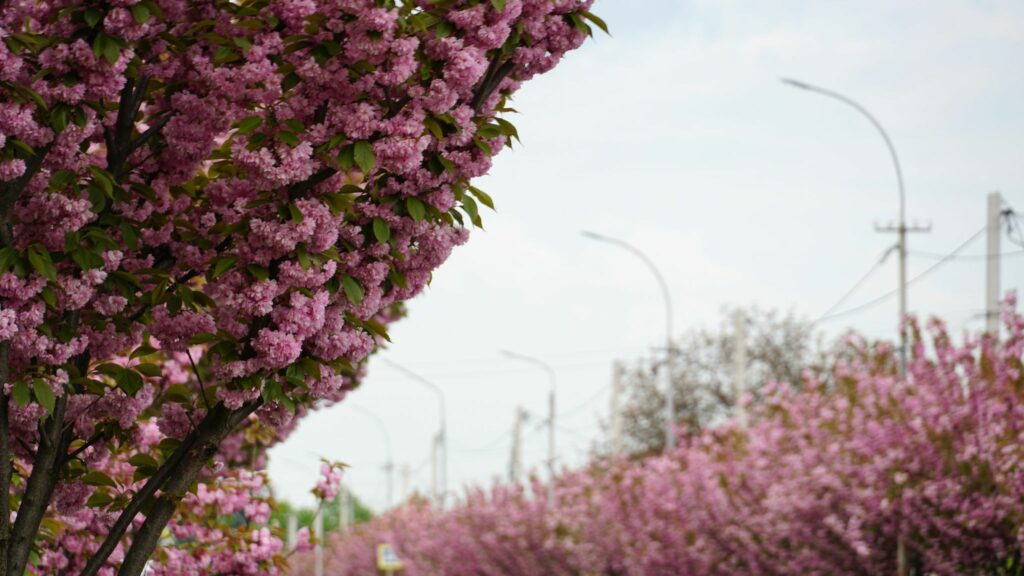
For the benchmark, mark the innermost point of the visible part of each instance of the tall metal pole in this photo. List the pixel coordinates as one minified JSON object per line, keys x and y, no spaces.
{"x":616,"y":407}
{"x":389,"y":465}
{"x":670,"y":403}
{"x":992,"y":288}
{"x":318,"y":552}
{"x":551,"y":416}
{"x":442,"y":434}
{"x":901,"y":228}
{"x":515,"y":461}
{"x":739,"y":363}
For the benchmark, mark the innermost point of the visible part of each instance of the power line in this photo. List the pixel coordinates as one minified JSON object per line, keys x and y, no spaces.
{"x":939,"y":256}
{"x":921,"y":276}
{"x":586,"y":402}
{"x":863,"y":279}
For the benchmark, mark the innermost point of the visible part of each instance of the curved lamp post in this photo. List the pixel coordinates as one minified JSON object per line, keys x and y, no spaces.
{"x":389,"y":465}
{"x":551,"y":415}
{"x":670,"y":437}
{"x":901,"y":229}
{"x":442,"y":434}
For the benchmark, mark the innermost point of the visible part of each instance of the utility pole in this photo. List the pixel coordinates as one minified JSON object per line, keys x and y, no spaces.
{"x":670,"y":391}
{"x":406,"y":481}
{"x":515,"y":462}
{"x":318,"y":552}
{"x":293,"y":529}
{"x":992,"y":262}
{"x":434,"y":454}
{"x":439,"y":456}
{"x":616,"y":407}
{"x":344,"y":510}
{"x":900,"y":227}
{"x":551,"y":416}
{"x":739,"y":363}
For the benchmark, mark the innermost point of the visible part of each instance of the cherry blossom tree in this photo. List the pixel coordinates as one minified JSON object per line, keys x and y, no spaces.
{"x":210,"y":210}
{"x":825,"y":478}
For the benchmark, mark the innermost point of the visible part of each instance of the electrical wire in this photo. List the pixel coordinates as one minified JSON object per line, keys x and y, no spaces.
{"x":863,"y":279}
{"x":890,"y":294}
{"x":962,"y":257}
{"x":586,"y":402}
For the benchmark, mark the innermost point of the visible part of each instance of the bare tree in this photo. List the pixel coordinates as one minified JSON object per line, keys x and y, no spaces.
{"x":779,"y":348}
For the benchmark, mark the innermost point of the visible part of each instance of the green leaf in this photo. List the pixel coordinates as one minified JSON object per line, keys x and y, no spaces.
{"x":381,"y":230}
{"x":129,"y":381}
{"x":346,"y":158}
{"x":178,"y":393}
{"x":364,"y":156}
{"x":203,"y":338}
{"x":143,"y":460}
{"x":222,"y":265}
{"x":104,"y":179}
{"x":597,"y":22}
{"x":258,"y":272}
{"x":49,"y":297}
{"x":92,"y":17}
{"x":143,"y":350}
{"x":22,"y":395}
{"x":44,"y":394}
{"x":288,"y":138}
{"x":8,"y":256}
{"x":246,"y":125}
{"x":353,"y":290}
{"x":295,"y":213}
{"x":148,"y":369}
{"x":99,"y":499}
{"x":140,"y":13}
{"x":416,"y":208}
{"x":130,"y":235}
{"x":469,"y":205}
{"x":59,"y":117}
{"x":482,"y":196}
{"x":40,"y":259}
{"x":97,"y":478}
{"x":499,"y":5}
{"x":111,"y":51}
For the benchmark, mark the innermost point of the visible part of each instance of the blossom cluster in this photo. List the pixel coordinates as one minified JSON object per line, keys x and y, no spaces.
{"x":825,"y":478}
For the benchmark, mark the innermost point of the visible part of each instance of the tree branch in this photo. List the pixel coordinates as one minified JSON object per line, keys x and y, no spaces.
{"x":53,"y":445}
{"x":217,"y":424}
{"x":5,"y":460}
{"x":160,"y":513}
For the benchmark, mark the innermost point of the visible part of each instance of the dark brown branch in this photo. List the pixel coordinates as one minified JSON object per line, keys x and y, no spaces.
{"x":491,"y":83}
{"x":90,"y":442}
{"x":11,"y":191}
{"x":5,"y":460}
{"x":153,"y":130}
{"x":298,"y":189}
{"x":202,"y":389}
{"x":53,"y":444}
{"x":213,"y":432}
{"x":215,"y":426}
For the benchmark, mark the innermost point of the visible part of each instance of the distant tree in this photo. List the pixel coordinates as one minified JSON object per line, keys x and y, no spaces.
{"x":779,"y":348}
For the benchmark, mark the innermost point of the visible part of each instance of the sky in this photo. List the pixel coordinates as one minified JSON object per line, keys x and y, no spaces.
{"x":675,"y":135}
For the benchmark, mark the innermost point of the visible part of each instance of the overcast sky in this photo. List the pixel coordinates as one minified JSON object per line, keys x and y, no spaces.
{"x":675,"y":135}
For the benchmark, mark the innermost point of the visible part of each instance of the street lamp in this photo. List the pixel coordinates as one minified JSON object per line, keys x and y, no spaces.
{"x":901,"y":228}
{"x":389,"y":465}
{"x":670,"y":416}
{"x":442,"y":434}
{"x":901,"y":231}
{"x":551,"y":416}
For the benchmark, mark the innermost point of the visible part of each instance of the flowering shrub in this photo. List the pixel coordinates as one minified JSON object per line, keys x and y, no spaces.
{"x":824,"y":480}
{"x":241,"y":189}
